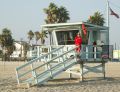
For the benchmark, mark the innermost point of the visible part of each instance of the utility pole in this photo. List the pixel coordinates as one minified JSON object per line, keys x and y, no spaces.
{"x":108,"y":20}
{"x":118,"y":53}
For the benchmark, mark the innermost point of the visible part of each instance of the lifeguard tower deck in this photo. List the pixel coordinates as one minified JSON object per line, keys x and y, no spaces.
{"x":48,"y":61}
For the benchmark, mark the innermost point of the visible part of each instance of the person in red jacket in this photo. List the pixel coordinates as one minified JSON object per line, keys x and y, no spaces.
{"x":78,"y":42}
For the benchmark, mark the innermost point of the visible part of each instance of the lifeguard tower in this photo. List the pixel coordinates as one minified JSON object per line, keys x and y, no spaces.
{"x":60,"y":55}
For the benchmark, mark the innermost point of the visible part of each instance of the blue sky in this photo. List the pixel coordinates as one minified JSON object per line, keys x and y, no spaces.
{"x":20,"y":16}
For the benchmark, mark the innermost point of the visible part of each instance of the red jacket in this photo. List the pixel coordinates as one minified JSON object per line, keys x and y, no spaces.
{"x":78,"y":40}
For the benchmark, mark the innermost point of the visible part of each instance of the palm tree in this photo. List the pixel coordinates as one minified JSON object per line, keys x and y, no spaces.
{"x":51,"y":12}
{"x":6,"y":42}
{"x":6,"y":32}
{"x":56,"y":14}
{"x":97,"y":19}
{"x":37,"y":36}
{"x":43,"y":35}
{"x":63,"y":15}
{"x":30,"y":35}
{"x":25,"y":49}
{"x":0,"y":40}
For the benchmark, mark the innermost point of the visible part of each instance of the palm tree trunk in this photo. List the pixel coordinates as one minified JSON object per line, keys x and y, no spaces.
{"x":36,"y":42}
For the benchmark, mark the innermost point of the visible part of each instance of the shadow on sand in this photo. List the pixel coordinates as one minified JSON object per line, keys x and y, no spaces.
{"x":77,"y":82}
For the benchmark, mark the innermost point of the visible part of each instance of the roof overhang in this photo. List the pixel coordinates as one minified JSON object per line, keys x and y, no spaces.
{"x":76,"y":25}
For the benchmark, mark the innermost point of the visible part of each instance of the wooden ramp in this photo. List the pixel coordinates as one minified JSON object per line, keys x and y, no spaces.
{"x":36,"y":72}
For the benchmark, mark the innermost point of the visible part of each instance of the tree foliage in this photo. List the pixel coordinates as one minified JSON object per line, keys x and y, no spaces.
{"x":43,"y":35}
{"x":56,"y":14}
{"x":7,"y":43}
{"x":97,"y":19}
{"x":25,"y":49}
{"x":30,"y":35}
{"x":37,"y":36}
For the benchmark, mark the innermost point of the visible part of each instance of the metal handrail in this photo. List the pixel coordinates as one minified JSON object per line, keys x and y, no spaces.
{"x":30,"y":62}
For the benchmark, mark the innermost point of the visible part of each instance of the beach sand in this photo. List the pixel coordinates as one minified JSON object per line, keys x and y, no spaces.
{"x":93,"y":82}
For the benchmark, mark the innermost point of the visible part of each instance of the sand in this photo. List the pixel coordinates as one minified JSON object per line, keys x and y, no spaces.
{"x":93,"y":82}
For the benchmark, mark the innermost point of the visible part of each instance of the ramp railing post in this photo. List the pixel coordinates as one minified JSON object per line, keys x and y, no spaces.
{"x":81,"y":71}
{"x":17,"y":77}
{"x":95,"y":50}
{"x":49,"y":67}
{"x":34,"y":74}
{"x":103,"y":69}
{"x":63,"y":58}
{"x":87,"y":52}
